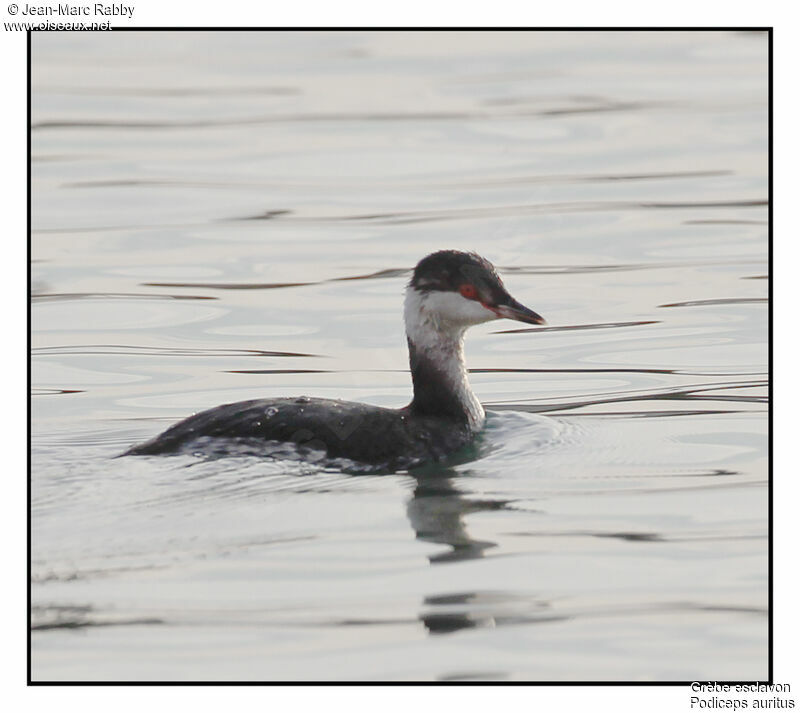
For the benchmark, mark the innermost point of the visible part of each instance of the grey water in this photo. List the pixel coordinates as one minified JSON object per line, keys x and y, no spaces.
{"x":224,"y":216}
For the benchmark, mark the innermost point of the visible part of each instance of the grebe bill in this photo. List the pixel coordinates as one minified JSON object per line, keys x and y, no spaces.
{"x":449,"y":292}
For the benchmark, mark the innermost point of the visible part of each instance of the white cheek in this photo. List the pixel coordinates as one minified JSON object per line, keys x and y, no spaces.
{"x":453,"y":308}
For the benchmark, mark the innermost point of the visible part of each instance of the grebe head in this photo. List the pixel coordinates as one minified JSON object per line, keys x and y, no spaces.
{"x":449,"y":292}
{"x":452,"y":290}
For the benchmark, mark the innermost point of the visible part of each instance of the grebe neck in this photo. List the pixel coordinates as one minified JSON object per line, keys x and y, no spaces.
{"x":438,"y":368}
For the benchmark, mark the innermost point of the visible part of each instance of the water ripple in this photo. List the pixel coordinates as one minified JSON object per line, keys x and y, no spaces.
{"x":691,"y":392}
{"x":58,"y":296}
{"x":721,"y":301}
{"x":135,"y":350}
{"x":424,"y":216}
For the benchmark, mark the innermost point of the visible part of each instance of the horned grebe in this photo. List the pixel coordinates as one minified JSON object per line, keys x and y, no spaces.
{"x":448,"y":292}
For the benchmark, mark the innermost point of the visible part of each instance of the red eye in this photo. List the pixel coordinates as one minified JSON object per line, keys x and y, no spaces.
{"x":468,"y":291}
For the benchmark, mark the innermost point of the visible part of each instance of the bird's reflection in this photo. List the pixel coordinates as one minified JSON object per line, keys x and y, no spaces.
{"x":436,"y":512}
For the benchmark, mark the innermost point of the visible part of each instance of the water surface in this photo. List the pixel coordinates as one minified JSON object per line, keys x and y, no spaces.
{"x":223,"y":216}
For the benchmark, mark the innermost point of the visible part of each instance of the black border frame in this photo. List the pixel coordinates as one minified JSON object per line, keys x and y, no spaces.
{"x":770,"y":365}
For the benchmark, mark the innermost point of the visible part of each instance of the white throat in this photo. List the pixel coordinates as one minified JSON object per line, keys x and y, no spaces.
{"x":435,"y":326}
